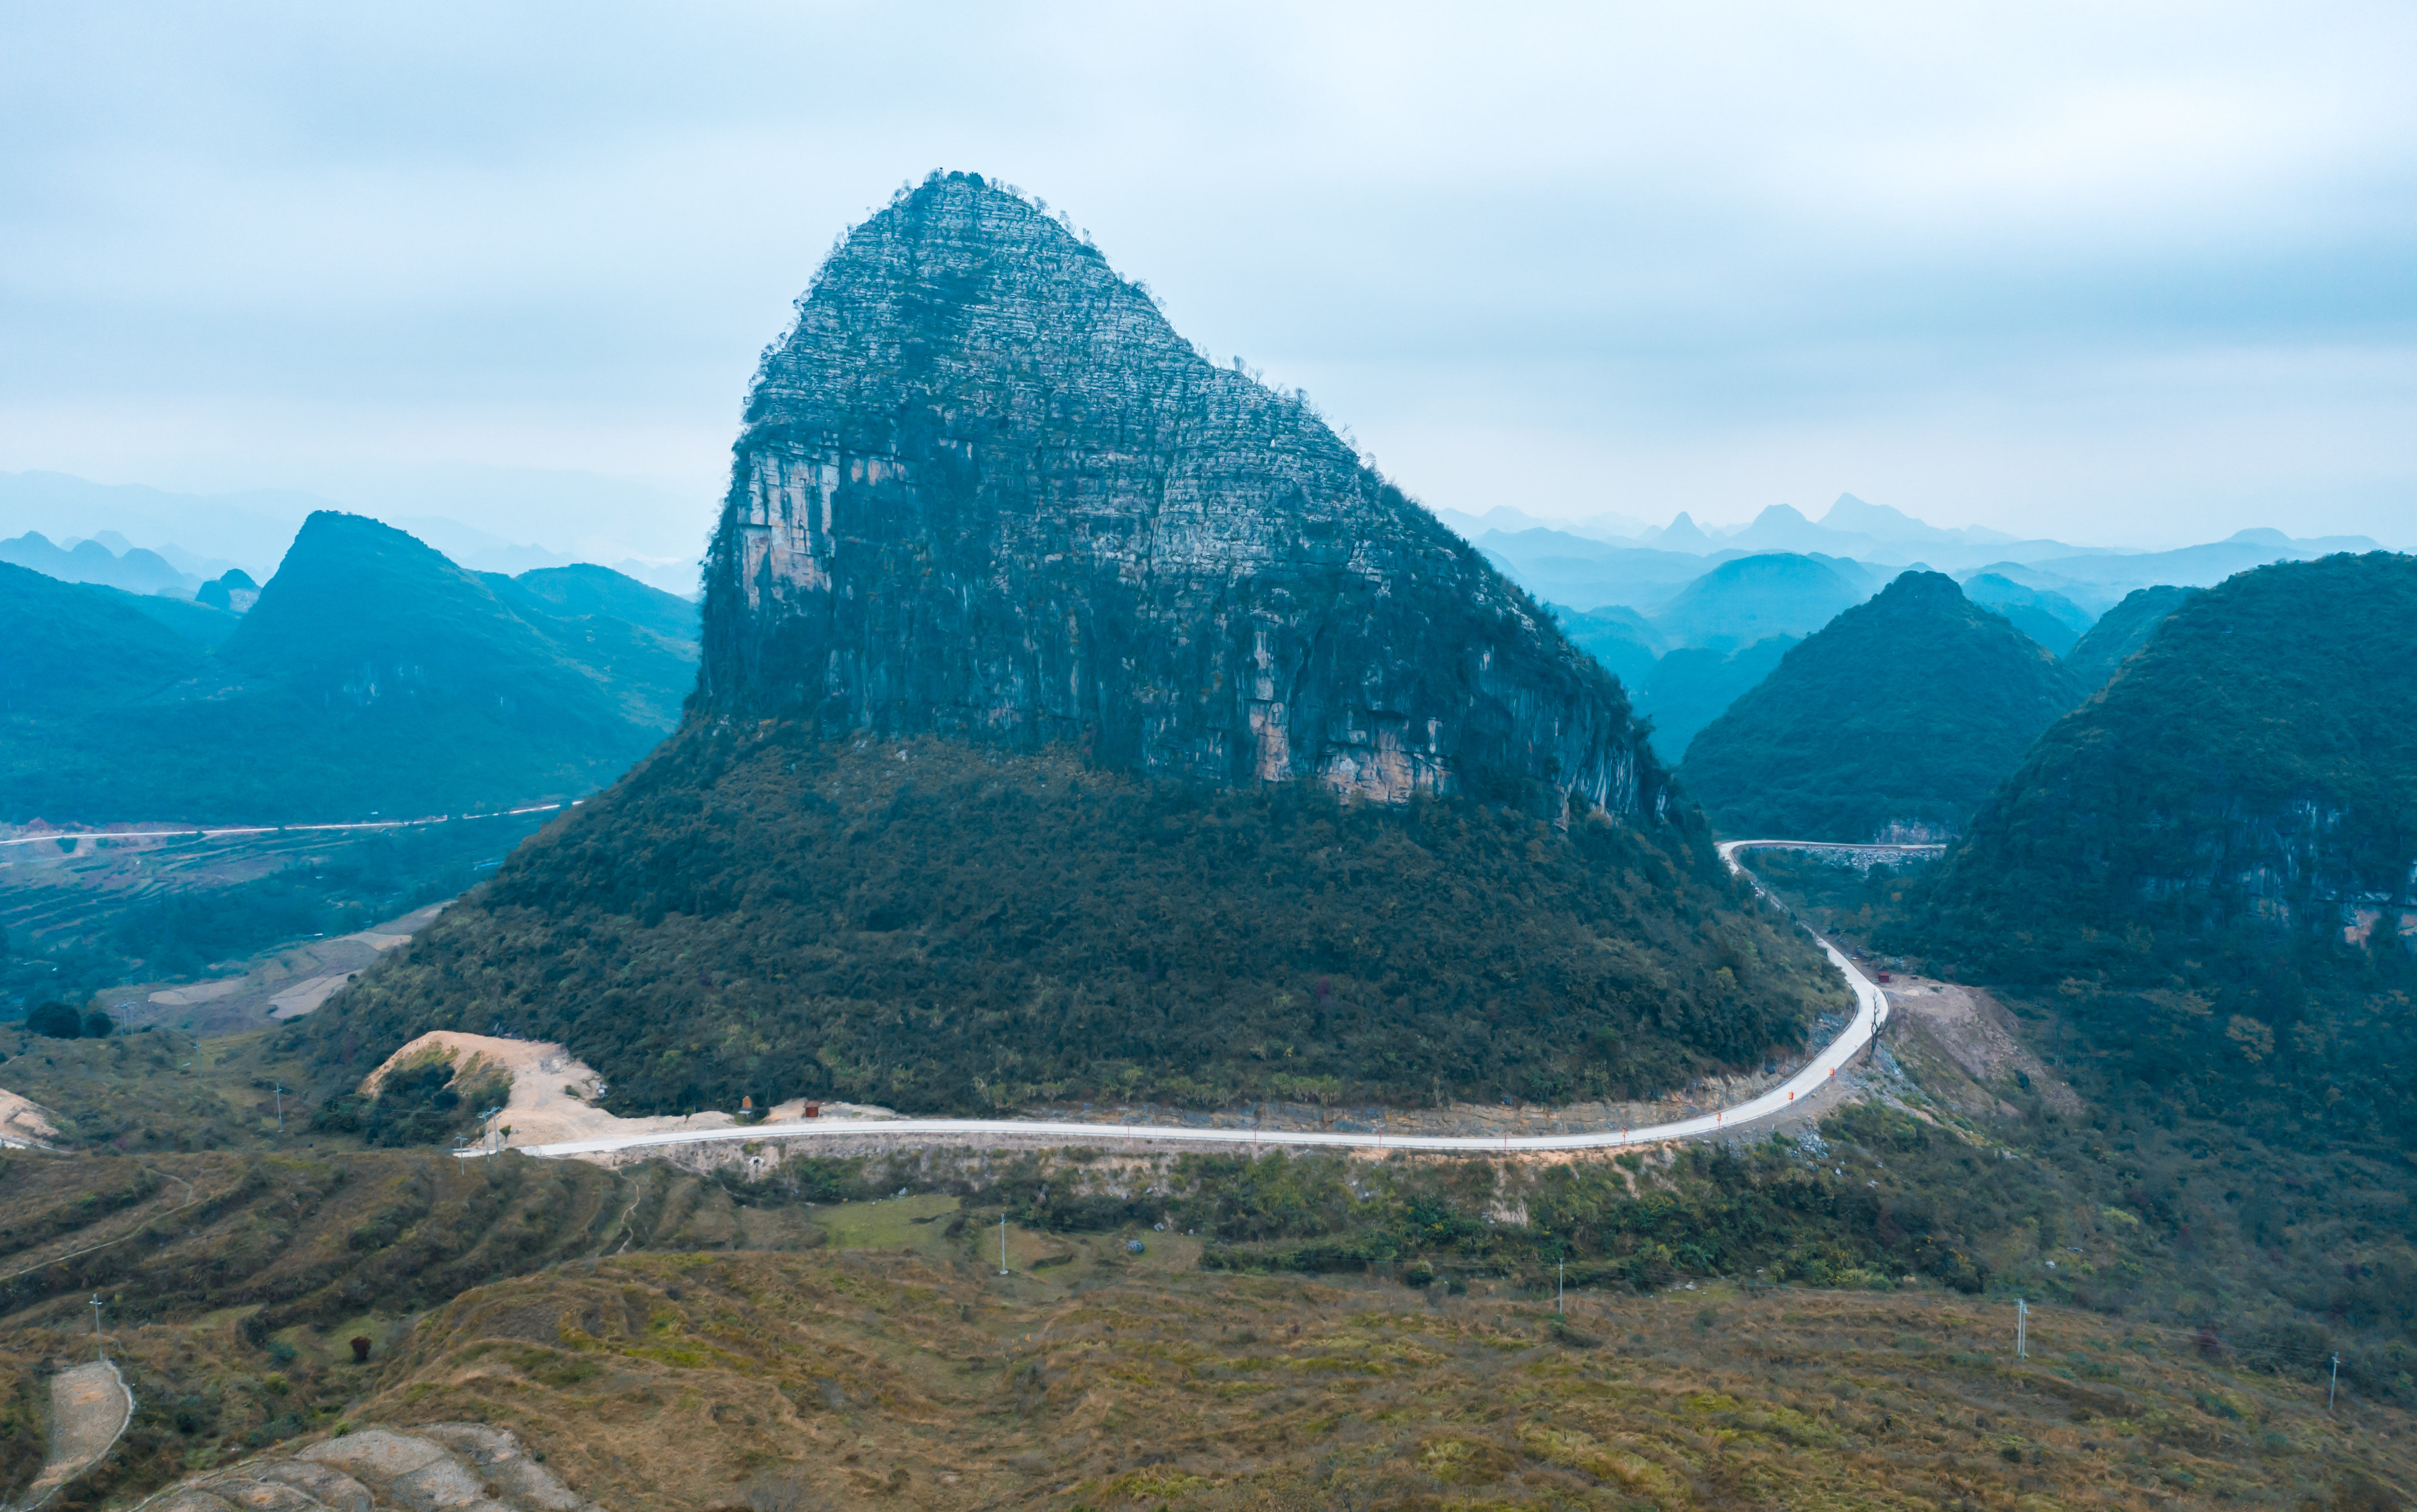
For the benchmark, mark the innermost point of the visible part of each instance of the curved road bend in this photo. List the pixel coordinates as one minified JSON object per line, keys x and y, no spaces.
{"x":1871,"y":1011}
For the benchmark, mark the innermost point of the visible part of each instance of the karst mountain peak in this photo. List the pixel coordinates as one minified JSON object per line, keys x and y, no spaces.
{"x":1082,"y":719}
{"x":985,"y":491}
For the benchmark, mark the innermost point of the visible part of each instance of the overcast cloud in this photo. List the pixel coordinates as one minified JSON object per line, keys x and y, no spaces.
{"x":2119,"y":273}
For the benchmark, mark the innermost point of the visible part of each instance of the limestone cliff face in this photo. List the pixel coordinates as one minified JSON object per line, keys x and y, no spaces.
{"x":985,"y":491}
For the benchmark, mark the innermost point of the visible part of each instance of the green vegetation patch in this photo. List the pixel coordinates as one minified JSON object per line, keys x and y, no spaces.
{"x":942,"y":928}
{"x":1767,"y":1210}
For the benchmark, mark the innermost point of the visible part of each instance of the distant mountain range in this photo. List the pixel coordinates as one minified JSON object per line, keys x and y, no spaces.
{"x":1682,"y":617}
{"x":1592,"y":565}
{"x":108,"y":560}
{"x":1691,"y":686}
{"x":2045,"y":615}
{"x":1749,"y":598}
{"x":371,"y":675}
{"x":248,"y":531}
{"x":1615,"y":528}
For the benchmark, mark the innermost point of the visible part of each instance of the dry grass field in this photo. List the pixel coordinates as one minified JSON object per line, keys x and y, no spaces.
{"x":869,"y":1354}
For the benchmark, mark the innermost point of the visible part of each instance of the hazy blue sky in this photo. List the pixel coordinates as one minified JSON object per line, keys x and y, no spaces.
{"x":2113,"y":272}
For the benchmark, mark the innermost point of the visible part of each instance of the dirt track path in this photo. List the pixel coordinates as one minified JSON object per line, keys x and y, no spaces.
{"x":89,"y":1408}
{"x":140,"y":1217}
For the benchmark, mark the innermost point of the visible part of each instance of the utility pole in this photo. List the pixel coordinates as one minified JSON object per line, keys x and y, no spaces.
{"x":2022,"y":1329}
{"x":1561,"y":1291}
{"x":99,"y":1344}
{"x":280,"y":1107}
{"x":2335,"y":1383}
{"x":1002,"y":1246}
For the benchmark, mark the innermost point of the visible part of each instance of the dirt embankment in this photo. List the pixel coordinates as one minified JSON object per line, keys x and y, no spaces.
{"x":24,"y":1122}
{"x":1967,"y":1029}
{"x":556,"y":1096}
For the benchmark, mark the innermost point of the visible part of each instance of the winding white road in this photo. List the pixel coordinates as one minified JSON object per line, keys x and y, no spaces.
{"x":1871,"y":1011}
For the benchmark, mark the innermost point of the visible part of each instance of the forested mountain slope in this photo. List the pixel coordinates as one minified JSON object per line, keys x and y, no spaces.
{"x":1898,"y":718}
{"x":941,"y":929}
{"x":371,"y":676}
{"x":2120,"y":631}
{"x":641,"y":640}
{"x":1694,"y":685}
{"x":2216,"y":854}
{"x":71,"y":648}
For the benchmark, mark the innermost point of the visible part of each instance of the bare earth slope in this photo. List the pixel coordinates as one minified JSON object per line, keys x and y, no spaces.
{"x":89,"y":1409}
{"x":434,"y":1467}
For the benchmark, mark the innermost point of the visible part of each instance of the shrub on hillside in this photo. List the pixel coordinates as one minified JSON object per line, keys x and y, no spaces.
{"x":56,"y":1020}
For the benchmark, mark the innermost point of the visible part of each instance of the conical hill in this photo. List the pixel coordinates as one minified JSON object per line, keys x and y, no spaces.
{"x":2256,"y":765}
{"x":1896,"y":719}
{"x":372,"y":677}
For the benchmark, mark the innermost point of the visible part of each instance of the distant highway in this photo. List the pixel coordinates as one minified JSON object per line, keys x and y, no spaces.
{"x":1871,"y":1011}
{"x":269,"y":829}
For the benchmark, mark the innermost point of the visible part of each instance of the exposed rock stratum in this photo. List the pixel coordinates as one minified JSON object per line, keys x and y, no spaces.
{"x":984,"y":490}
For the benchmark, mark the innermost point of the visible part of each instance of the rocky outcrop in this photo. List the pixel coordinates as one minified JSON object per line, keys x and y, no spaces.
{"x":437,"y":1467}
{"x":985,"y":491}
